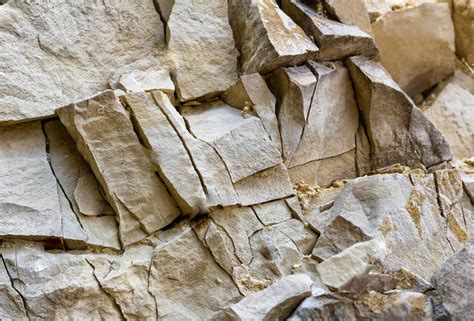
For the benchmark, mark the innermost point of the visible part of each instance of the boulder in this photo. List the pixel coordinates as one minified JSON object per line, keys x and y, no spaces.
{"x":61,"y":45}
{"x":200,"y":27}
{"x":417,"y":45}
{"x":336,"y":41}
{"x":101,"y":127}
{"x":463,"y":14}
{"x":267,"y":37}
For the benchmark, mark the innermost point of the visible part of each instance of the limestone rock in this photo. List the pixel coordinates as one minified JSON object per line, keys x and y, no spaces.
{"x":336,"y":41}
{"x":61,"y":45}
{"x":201,"y":27}
{"x":29,"y":208}
{"x":417,"y":45}
{"x":168,"y":153}
{"x":52,"y":291}
{"x":12,"y":306}
{"x":275,"y":302}
{"x":101,"y":127}
{"x":454,"y":281}
{"x":354,"y":13}
{"x":272,"y":212}
{"x":453,"y":113}
{"x":267,"y":37}
{"x":463,"y":14}
{"x":251,"y":92}
{"x":378,"y":8}
{"x":186,"y":282}
{"x":148,"y":80}
{"x":397,"y":130}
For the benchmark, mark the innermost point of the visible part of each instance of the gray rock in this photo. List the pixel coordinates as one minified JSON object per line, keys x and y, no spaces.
{"x":12,"y":306}
{"x":272,"y":212}
{"x":267,"y":37}
{"x":454,"y":281}
{"x":275,"y":302}
{"x":201,"y":27}
{"x":61,"y":46}
{"x":336,"y":41}
{"x":101,"y":128}
{"x":350,"y":13}
{"x":408,"y":138}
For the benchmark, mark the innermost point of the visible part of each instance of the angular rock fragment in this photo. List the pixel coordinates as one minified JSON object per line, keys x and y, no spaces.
{"x":272,"y":212}
{"x":168,"y":153}
{"x":454,"y":282}
{"x":267,"y":37}
{"x":186,"y":282}
{"x":453,"y":113}
{"x":350,"y":13}
{"x":61,"y":45}
{"x":275,"y":302}
{"x":59,"y":286}
{"x":29,"y":200}
{"x":12,"y":306}
{"x":463,"y":14}
{"x":148,"y":80}
{"x":252,"y":93}
{"x":201,"y":27}
{"x":101,"y":128}
{"x":417,"y":45}
{"x":378,"y":8}
{"x":336,"y":41}
{"x":397,"y":130}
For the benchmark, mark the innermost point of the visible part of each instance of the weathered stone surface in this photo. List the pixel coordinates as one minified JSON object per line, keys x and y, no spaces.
{"x":12,"y":306}
{"x":29,"y":203}
{"x":168,"y":153}
{"x":272,"y":212}
{"x":61,"y":45}
{"x":101,"y":127}
{"x":453,"y":114}
{"x":150,"y":79}
{"x":186,"y":282}
{"x":463,"y":14}
{"x":275,"y":302}
{"x":57,"y":286}
{"x":454,"y":282}
{"x":417,"y":45}
{"x":267,"y":37}
{"x":336,"y":41}
{"x":397,"y":130}
{"x":378,"y":8}
{"x":351,"y":13}
{"x":201,"y":27}
{"x":251,"y":92}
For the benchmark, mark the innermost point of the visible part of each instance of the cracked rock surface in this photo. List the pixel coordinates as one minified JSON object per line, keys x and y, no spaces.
{"x":236,"y":160}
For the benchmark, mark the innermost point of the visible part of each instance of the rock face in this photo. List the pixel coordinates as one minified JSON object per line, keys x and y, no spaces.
{"x":417,"y":45}
{"x":236,"y":160}
{"x":463,"y":13}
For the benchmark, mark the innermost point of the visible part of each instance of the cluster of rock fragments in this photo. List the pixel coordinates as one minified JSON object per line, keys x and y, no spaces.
{"x":236,"y":160}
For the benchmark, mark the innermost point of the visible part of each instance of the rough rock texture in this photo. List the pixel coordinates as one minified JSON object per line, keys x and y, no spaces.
{"x":463,"y":13}
{"x":205,"y":160}
{"x":417,"y":45}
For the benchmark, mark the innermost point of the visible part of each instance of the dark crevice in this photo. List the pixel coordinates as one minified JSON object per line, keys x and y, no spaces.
{"x":162,"y":18}
{"x":23,"y":300}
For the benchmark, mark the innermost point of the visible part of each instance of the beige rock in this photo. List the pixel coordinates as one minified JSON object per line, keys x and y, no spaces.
{"x":135,"y":192}
{"x":275,"y":302}
{"x":463,"y":14}
{"x":417,"y":45}
{"x":29,"y":203}
{"x":186,"y":282}
{"x":148,"y":80}
{"x":57,"y":286}
{"x":453,"y":113}
{"x":61,"y":46}
{"x":272,"y":212}
{"x":336,"y":41}
{"x":12,"y":306}
{"x":267,"y":37}
{"x":168,"y":153}
{"x":201,"y":27}
{"x":351,"y":13}
{"x":251,"y":92}
{"x":72,"y":232}
{"x":302,"y":237}
{"x":397,"y":130}
{"x":378,"y":8}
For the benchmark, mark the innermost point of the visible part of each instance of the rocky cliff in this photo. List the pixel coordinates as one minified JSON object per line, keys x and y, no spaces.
{"x":236,"y":160}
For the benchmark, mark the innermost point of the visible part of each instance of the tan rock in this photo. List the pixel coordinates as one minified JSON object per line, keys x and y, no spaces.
{"x":417,"y":45}
{"x":336,"y":41}
{"x":201,"y":27}
{"x":272,"y":212}
{"x":378,"y":8}
{"x":463,"y":14}
{"x":12,"y":306}
{"x":181,"y":267}
{"x":148,"y":80}
{"x":267,"y":37}
{"x":408,"y":138}
{"x":135,"y":192}
{"x":168,"y":153}
{"x":351,"y":13}
{"x":453,"y":113}
{"x":251,"y":92}
{"x":61,"y":46}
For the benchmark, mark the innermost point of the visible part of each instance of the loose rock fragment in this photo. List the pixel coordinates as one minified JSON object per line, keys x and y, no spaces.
{"x":148,"y":80}
{"x":351,"y":13}
{"x":267,"y":37}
